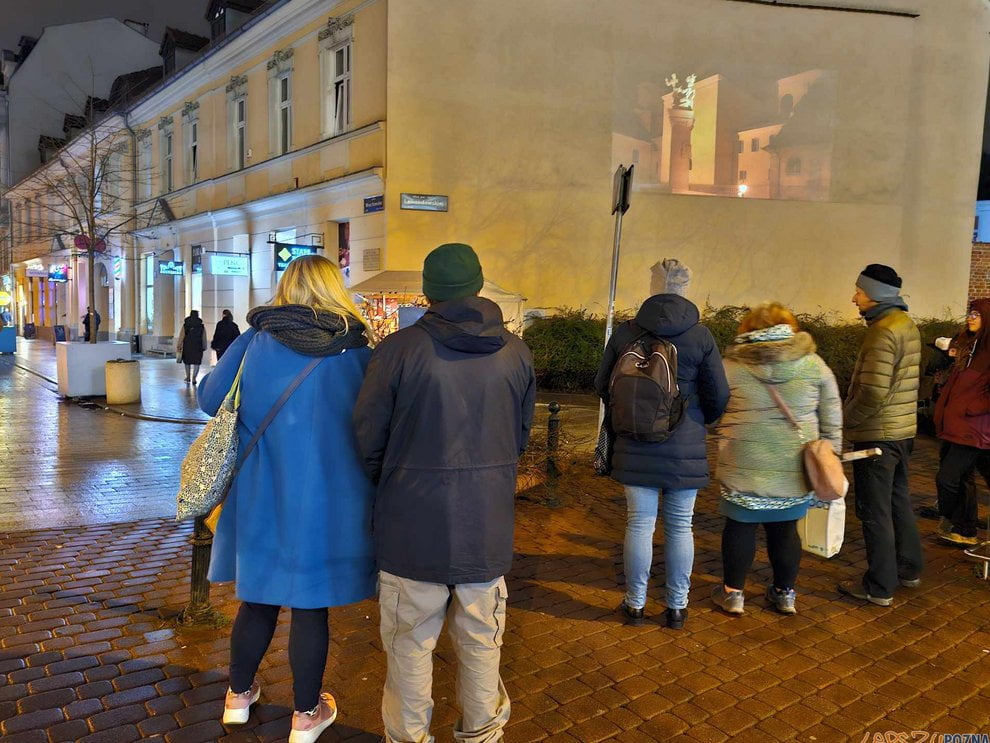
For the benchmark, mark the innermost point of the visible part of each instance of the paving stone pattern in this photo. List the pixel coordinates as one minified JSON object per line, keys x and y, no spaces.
{"x":89,"y":650}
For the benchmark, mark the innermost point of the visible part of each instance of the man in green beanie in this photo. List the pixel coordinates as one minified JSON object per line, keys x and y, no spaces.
{"x":443,"y":415}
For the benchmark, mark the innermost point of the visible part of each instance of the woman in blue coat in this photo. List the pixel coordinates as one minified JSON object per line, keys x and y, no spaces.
{"x":677,"y":467}
{"x":295,"y":529}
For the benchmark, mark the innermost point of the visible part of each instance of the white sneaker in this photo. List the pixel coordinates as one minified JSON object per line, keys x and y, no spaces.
{"x":237,"y":707}
{"x":307,"y":726}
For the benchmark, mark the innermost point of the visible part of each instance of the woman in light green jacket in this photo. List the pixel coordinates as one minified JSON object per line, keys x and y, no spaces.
{"x":760,"y":468}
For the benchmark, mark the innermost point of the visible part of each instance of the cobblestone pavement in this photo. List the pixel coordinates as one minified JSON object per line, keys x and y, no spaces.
{"x":64,"y":465}
{"x":89,"y":650}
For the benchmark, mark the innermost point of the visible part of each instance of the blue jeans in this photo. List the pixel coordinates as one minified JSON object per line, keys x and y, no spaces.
{"x":678,"y":543}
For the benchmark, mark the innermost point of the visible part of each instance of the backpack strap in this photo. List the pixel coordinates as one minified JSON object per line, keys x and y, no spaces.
{"x":788,"y":413}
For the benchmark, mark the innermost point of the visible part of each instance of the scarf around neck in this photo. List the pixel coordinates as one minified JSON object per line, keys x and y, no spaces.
{"x":308,"y":331}
{"x":897,"y":303}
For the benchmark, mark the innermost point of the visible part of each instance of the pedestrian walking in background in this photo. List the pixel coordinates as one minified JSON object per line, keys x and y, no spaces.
{"x":666,"y":475}
{"x":86,"y":324}
{"x":444,"y":413}
{"x":760,"y":464}
{"x":881,"y":410}
{"x":226,"y":333}
{"x":962,"y":422}
{"x":295,"y":529}
{"x":191,"y":345}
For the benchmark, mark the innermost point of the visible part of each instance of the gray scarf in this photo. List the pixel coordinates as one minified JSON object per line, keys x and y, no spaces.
{"x":308,"y":331}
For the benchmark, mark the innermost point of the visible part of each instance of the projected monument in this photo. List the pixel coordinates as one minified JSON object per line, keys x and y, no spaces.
{"x":765,"y":138}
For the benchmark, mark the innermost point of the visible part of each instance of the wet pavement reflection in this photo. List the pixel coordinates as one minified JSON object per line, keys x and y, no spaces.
{"x":65,"y":465}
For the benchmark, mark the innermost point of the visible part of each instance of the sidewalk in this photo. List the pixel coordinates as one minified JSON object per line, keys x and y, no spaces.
{"x":164,"y":393}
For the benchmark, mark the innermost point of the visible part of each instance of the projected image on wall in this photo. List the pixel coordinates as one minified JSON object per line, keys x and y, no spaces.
{"x":753,"y":135}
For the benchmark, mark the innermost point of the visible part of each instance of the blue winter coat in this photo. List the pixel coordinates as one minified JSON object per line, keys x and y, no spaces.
{"x":296,"y":527}
{"x":680,"y":462}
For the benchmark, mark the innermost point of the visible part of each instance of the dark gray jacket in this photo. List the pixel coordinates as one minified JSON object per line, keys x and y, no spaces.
{"x":443,"y":415}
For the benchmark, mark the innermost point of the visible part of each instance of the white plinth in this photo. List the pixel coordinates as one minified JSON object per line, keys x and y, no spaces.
{"x":82,"y":366}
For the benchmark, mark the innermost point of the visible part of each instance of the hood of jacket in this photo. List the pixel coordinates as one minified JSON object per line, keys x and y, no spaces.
{"x":192,"y":322}
{"x":667,"y":315}
{"x":468,"y":325}
{"x":773,"y":361}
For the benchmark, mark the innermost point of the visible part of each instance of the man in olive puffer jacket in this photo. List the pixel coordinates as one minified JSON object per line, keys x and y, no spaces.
{"x":881,"y":411}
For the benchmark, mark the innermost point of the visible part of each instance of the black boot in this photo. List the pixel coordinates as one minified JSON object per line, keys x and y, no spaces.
{"x":676,"y":618}
{"x":633,"y":617}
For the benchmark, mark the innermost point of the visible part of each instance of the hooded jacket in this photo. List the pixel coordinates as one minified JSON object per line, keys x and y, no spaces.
{"x":443,"y":415}
{"x":962,"y":413}
{"x":882,"y":403}
{"x":759,"y":450}
{"x":680,"y":462}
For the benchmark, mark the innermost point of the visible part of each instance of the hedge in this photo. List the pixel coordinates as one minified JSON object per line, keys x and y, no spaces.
{"x":567,"y":347}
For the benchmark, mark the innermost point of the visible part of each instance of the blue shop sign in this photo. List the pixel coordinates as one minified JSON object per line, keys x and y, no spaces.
{"x":286,"y":253}
{"x":171,"y":268}
{"x":374,"y":204}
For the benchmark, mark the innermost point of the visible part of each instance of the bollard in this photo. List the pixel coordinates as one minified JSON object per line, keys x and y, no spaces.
{"x":553,"y":439}
{"x":199,"y":612}
{"x":553,"y":444}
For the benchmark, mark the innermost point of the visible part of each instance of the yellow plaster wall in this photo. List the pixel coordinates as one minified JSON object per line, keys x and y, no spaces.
{"x":507,"y":108}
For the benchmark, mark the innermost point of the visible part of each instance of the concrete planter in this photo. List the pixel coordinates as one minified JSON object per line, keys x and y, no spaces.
{"x":82,"y":366}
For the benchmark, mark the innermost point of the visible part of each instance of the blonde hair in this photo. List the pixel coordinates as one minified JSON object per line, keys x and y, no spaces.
{"x":315,"y":281}
{"x":767,"y":315}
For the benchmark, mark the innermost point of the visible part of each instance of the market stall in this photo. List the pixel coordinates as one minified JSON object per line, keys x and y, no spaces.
{"x":394,"y":300}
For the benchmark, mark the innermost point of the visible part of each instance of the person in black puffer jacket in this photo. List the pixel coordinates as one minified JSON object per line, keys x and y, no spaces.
{"x":677,"y":467}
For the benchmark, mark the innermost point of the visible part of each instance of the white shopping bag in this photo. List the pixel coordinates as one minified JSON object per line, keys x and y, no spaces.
{"x":824,"y":527}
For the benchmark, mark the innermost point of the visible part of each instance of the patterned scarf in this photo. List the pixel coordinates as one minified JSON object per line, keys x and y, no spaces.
{"x":308,"y":331}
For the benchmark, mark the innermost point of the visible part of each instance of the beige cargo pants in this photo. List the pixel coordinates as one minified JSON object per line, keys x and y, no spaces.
{"x":412,"y":616}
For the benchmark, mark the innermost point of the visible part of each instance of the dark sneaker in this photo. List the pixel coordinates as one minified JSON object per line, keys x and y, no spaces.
{"x":958,"y":539}
{"x":858,"y":592}
{"x":782,"y":601}
{"x":633,"y":617}
{"x":731,"y":602}
{"x":910,"y":582}
{"x":675,"y":618}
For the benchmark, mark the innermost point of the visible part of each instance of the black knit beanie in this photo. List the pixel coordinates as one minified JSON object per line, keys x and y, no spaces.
{"x":880,"y":282}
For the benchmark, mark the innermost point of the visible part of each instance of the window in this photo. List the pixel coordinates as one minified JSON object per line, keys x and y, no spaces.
{"x":793,"y":166}
{"x":754,"y":144}
{"x":240,"y":133}
{"x":336,"y":53}
{"x":144,"y":167}
{"x":280,"y":102}
{"x":218,"y":24}
{"x":149,"y":291}
{"x":341,"y":91}
{"x":193,"y":158}
{"x":167,"y":182}
{"x":739,"y":146}
{"x":284,"y":114}
{"x":742,"y":175}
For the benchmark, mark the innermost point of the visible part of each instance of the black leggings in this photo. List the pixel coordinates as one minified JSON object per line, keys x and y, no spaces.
{"x":739,"y":549}
{"x":309,"y":640}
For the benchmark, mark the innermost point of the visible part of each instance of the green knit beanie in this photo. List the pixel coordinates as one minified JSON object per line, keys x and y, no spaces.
{"x":452,"y":271}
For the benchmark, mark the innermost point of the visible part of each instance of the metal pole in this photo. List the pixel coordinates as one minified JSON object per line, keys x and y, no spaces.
{"x":199,"y":611}
{"x":613,"y":281}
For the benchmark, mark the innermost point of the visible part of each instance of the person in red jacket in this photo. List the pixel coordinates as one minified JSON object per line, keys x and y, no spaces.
{"x":962,"y":422}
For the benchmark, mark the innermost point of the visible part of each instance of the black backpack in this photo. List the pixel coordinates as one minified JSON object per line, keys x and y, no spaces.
{"x":645,"y":403}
